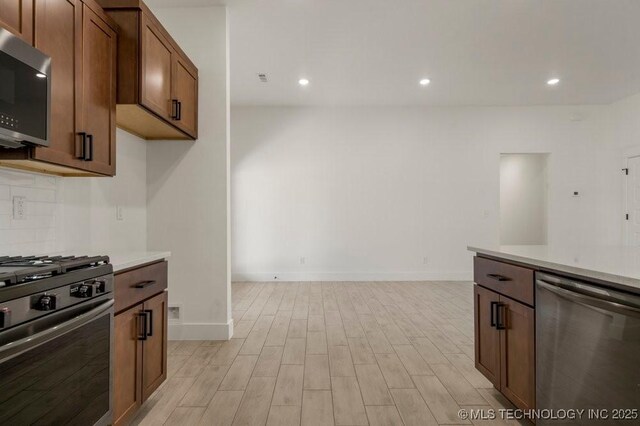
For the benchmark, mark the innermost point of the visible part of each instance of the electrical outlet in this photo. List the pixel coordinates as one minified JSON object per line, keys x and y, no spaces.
{"x":173,"y":313}
{"x":303,"y":260}
{"x":19,"y":208}
{"x":425,"y":260}
{"x":119,"y":213}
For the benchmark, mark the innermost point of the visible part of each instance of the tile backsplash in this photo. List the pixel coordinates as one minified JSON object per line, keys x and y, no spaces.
{"x":78,"y":214}
{"x":37,"y":231}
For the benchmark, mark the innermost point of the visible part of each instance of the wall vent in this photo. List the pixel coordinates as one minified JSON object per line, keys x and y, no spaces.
{"x":263,"y":77}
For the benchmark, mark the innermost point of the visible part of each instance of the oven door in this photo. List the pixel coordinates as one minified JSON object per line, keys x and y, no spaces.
{"x":57,"y":370}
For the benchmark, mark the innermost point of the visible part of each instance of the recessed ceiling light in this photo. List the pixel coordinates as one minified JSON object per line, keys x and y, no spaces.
{"x":425,"y":82}
{"x":303,"y":82}
{"x":553,"y":81}
{"x":40,"y":75}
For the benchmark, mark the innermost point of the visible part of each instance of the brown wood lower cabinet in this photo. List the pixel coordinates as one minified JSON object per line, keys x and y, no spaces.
{"x":505,"y":345}
{"x":517,"y":353}
{"x":154,"y":350}
{"x":487,"y":336}
{"x":140,"y":361}
{"x":127,"y":396}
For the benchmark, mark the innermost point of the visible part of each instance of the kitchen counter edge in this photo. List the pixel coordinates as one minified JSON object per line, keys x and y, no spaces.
{"x":604,"y":278}
{"x":124,"y":261}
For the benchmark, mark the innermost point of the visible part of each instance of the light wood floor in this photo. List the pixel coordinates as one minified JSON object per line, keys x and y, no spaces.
{"x":379,"y":353}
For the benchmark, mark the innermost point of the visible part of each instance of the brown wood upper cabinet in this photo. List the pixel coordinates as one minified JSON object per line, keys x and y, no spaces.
{"x":81,"y":41}
{"x":17,"y":17}
{"x":157,"y":82}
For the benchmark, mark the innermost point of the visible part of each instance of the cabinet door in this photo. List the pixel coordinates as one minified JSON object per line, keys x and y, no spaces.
{"x":58,"y":33}
{"x":127,"y":368}
{"x":487,"y":336}
{"x":154,"y":351}
{"x":99,"y":92}
{"x":156,"y":66}
{"x":517,"y":367}
{"x":17,"y":17}
{"x":185,"y":93}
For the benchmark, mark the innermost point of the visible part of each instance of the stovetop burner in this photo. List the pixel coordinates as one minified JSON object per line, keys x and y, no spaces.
{"x":19,"y":269}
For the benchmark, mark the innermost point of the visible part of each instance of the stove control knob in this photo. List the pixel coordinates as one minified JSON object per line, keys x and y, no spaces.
{"x":85,"y":290}
{"x":47,"y":302}
{"x":100,"y":286}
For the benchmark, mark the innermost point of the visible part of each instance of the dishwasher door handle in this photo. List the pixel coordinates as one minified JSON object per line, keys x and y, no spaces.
{"x":589,"y":300}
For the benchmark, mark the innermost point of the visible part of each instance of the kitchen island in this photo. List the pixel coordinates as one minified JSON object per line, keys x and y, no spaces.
{"x":559,"y":327}
{"x":615,"y":266}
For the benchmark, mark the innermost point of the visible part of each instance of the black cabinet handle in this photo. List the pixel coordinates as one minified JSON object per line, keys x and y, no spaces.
{"x":493,"y":313}
{"x":143,"y":335}
{"x":174,"y":109}
{"x":149,"y":322}
{"x":500,"y":314}
{"x":498,"y":277}
{"x":145,"y":284}
{"x":179,"y":110}
{"x":83,"y":151}
{"x":89,"y":151}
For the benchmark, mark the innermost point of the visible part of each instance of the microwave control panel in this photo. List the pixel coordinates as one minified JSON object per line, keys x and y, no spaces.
{"x":8,"y":122}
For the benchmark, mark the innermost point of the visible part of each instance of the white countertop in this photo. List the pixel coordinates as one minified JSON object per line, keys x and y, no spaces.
{"x":122,"y":259}
{"x":614,"y":264}
{"x":126,"y":260}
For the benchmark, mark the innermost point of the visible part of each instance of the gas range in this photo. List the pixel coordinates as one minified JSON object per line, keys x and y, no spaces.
{"x":32,"y":286}
{"x":56,"y":339}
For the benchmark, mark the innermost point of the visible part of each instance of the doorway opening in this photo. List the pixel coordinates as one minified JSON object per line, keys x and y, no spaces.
{"x":523,"y":199}
{"x":632,"y":201}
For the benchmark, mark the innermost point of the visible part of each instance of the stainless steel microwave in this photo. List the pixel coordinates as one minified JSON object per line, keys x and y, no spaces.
{"x":25,"y":93}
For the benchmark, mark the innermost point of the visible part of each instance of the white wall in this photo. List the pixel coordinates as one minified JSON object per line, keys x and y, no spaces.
{"x":369,"y":193}
{"x":523,"y":199}
{"x":78,"y":213}
{"x":188,"y":185}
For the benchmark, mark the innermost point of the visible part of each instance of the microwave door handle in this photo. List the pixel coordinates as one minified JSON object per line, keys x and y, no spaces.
{"x":584,"y":299}
{"x":17,"y":347}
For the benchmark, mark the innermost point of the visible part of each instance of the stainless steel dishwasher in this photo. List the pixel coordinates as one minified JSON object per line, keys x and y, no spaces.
{"x":587,"y":349}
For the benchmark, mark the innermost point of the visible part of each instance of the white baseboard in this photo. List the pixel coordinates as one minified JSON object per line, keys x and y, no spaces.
{"x":201,"y":331}
{"x":353,"y":276}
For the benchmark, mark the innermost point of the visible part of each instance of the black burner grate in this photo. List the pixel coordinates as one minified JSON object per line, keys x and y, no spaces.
{"x":18,"y":269}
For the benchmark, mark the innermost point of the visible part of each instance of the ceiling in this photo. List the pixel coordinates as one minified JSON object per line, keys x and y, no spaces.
{"x":475,"y":52}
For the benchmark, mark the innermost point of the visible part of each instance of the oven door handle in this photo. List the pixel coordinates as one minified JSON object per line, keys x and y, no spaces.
{"x":589,"y":300}
{"x":17,"y":347}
